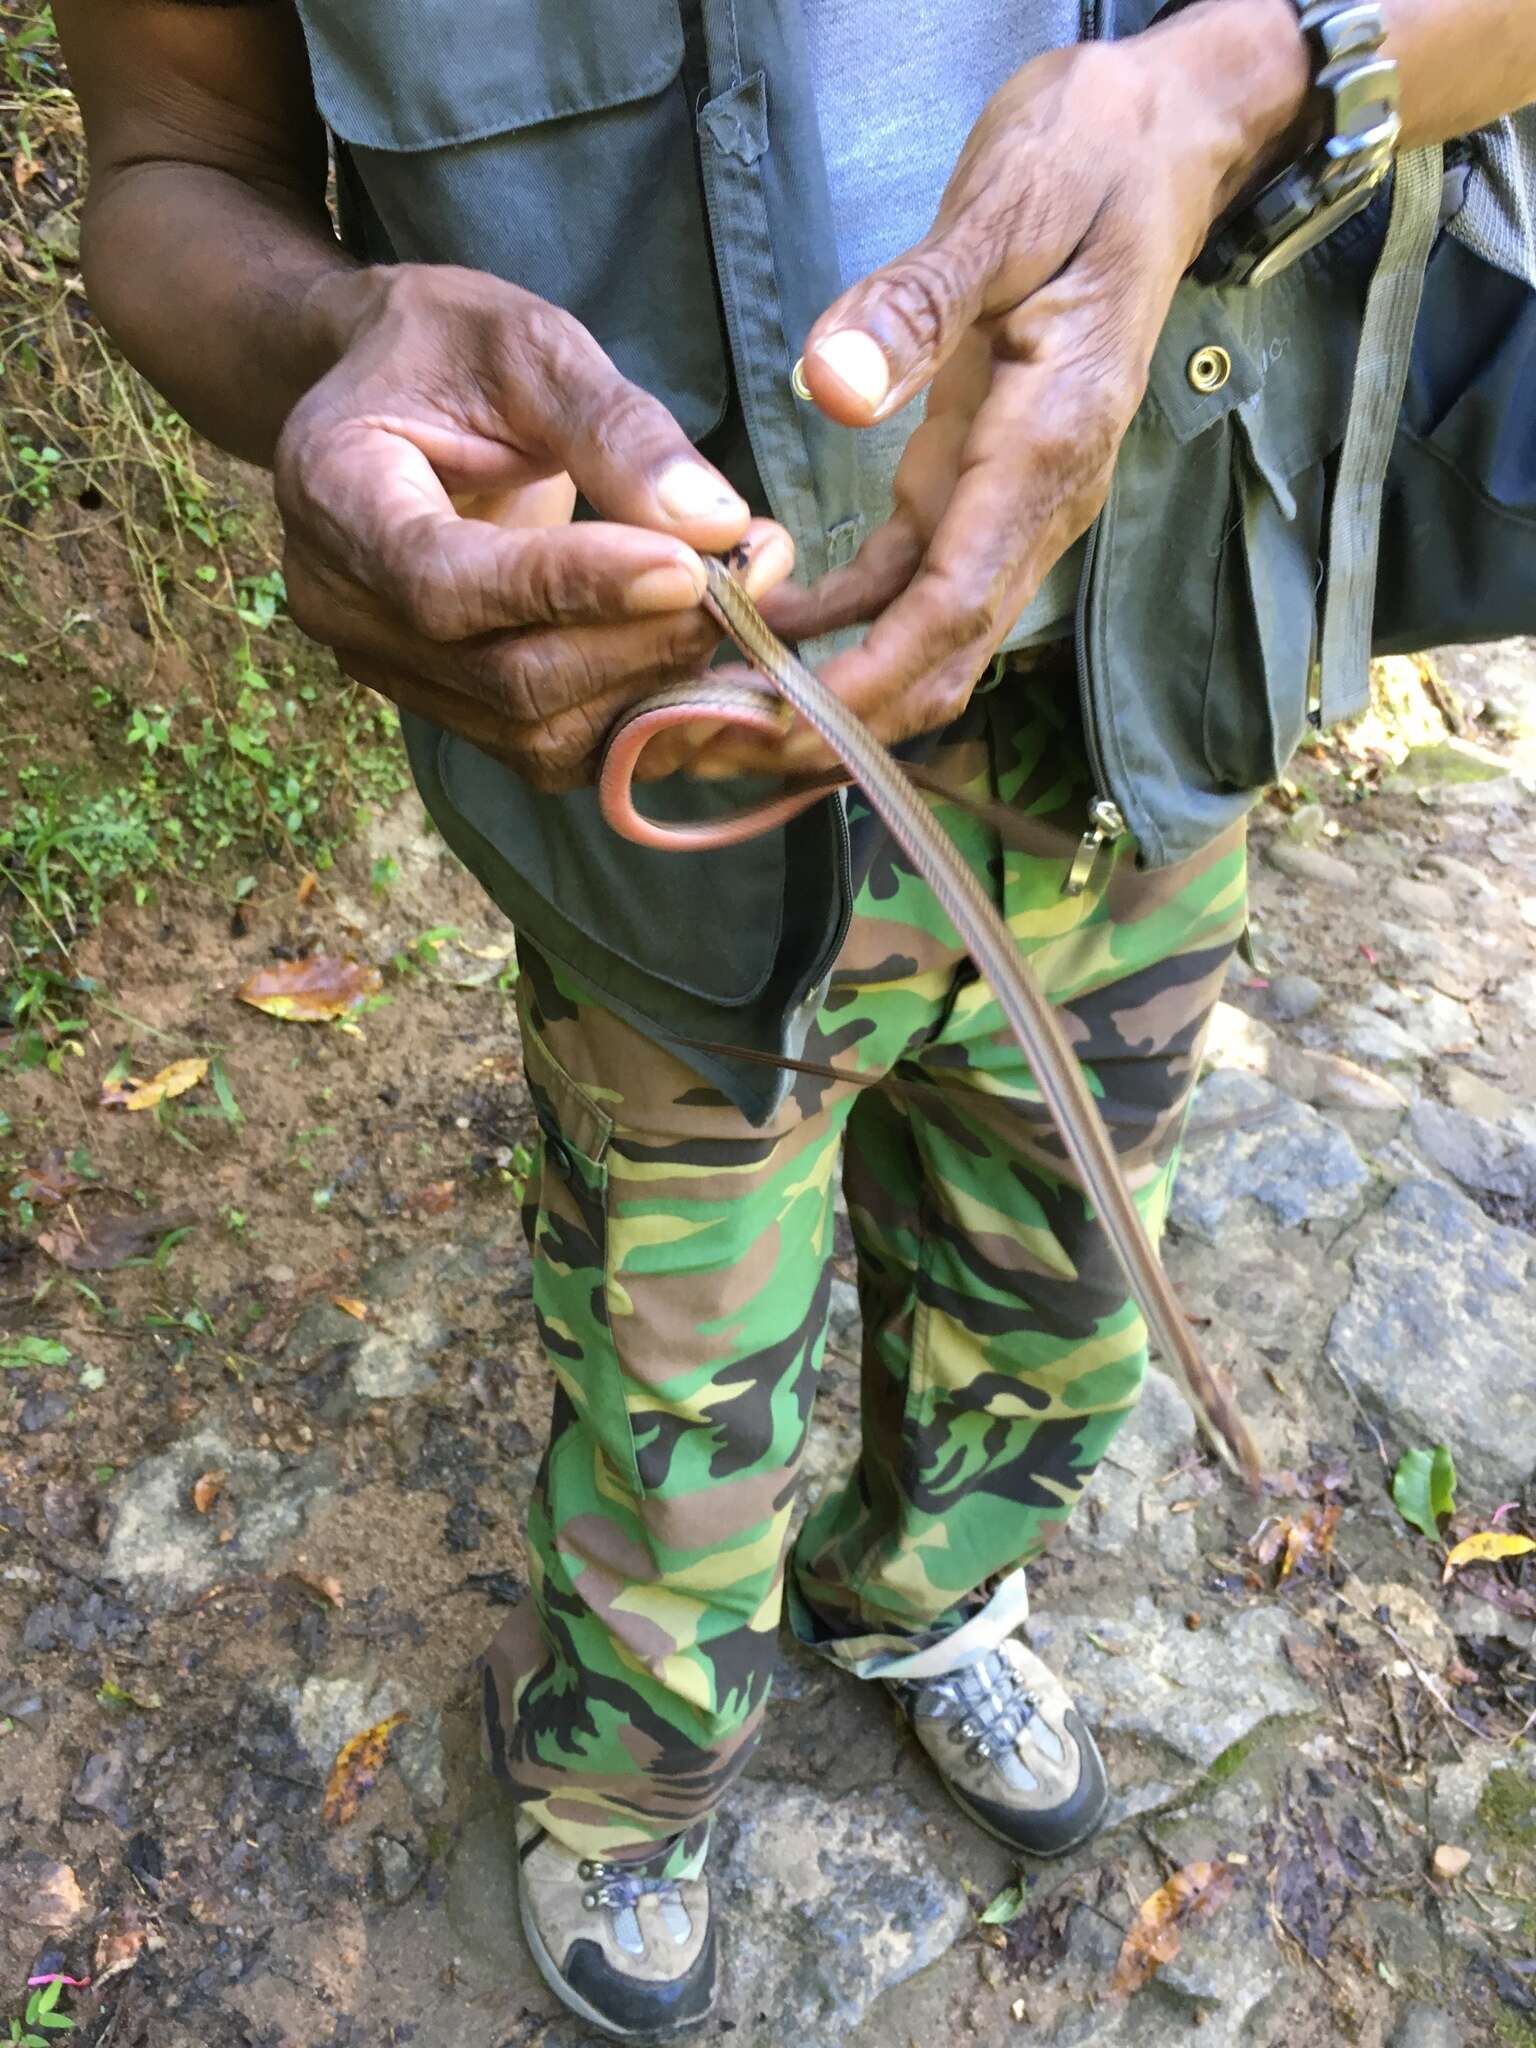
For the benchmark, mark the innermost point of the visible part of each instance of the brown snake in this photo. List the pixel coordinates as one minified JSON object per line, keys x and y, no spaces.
{"x":937,"y":859}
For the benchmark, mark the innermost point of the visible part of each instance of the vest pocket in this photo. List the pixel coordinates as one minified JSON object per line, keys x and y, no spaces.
{"x":434,"y":74}
{"x":1265,"y":619}
{"x":548,"y":144}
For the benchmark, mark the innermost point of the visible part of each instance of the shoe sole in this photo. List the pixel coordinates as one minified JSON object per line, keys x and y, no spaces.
{"x":573,"y":2001}
{"x":1012,"y":1841}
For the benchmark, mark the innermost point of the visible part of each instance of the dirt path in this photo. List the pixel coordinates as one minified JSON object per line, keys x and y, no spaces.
{"x":266,"y":1491}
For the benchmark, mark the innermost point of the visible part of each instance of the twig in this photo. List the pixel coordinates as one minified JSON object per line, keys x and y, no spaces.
{"x":1381,"y":1449}
{"x":1397,"y":1717}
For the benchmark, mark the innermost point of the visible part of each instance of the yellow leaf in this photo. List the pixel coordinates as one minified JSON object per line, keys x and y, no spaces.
{"x":1157,"y":1933}
{"x":175,"y":1079}
{"x":1485,"y":1546}
{"x":351,"y":1306}
{"x":316,"y":990}
{"x":356,"y":1771}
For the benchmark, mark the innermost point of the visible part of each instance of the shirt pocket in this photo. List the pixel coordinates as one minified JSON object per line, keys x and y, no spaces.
{"x":549,"y":144}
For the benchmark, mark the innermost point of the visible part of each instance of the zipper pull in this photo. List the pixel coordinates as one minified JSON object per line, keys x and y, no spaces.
{"x":1089,"y":863}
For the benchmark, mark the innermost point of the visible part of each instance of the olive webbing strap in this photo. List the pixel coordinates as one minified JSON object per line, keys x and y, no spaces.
{"x":1376,"y":400}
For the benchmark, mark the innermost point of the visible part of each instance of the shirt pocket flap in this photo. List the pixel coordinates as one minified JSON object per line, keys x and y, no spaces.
{"x":408,"y":75}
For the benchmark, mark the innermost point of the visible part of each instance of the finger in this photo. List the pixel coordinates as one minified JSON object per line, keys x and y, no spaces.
{"x":1027,"y":490}
{"x":552,"y":755}
{"x":538,"y":673}
{"x":876,"y":347}
{"x":371,"y":504}
{"x":769,"y":560}
{"x":628,"y":455}
{"x":881,"y":569}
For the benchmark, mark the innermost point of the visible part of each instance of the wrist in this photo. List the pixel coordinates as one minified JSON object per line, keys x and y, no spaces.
{"x":343,"y":300}
{"x":1248,"y":63}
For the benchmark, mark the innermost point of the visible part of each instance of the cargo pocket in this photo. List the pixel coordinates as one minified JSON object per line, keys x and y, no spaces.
{"x":548,"y":144}
{"x":565,"y":1216}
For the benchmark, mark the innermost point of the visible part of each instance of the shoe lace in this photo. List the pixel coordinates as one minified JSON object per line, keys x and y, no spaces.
{"x":988,"y":1705}
{"x":617,"y":1885}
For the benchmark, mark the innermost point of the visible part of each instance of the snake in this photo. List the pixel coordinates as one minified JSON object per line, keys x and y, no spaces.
{"x":781,"y":688}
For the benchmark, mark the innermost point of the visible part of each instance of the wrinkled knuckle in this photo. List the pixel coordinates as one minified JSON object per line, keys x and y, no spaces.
{"x":551,"y":584}
{"x":927,"y":296}
{"x":628,"y":428}
{"x":551,"y":672}
{"x":972,"y":616}
{"x":433,"y":605}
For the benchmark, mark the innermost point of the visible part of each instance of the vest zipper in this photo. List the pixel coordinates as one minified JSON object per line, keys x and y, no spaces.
{"x":1096,"y":849}
{"x":1106,"y":820}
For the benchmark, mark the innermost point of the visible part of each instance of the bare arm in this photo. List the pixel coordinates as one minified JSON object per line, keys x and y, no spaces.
{"x":205,"y":227}
{"x":428,"y":426}
{"x":1464,"y":63}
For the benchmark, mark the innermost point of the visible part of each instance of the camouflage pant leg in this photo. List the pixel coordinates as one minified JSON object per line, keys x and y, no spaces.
{"x":1000,"y":1351}
{"x":680,"y":1278}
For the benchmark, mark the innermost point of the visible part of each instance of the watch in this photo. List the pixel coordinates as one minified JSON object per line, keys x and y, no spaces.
{"x":1360,"y":91}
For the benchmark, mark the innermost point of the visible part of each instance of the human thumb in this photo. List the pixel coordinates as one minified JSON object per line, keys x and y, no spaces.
{"x":887,"y":337}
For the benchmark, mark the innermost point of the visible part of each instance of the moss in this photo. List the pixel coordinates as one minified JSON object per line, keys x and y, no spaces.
{"x":1518,"y":2029}
{"x":1231,"y":1760}
{"x":1507,"y":1808}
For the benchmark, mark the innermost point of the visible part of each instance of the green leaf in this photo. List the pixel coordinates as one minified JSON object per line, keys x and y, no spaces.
{"x":233,"y":1113}
{"x":1424,"y":1488}
{"x":111,"y":1694}
{"x":23,"y":1352}
{"x":1008,"y":1905}
{"x":93,"y":1378}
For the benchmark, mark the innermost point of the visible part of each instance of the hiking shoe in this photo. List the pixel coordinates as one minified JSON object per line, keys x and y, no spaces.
{"x":1011,"y":1748}
{"x":630,"y":1952}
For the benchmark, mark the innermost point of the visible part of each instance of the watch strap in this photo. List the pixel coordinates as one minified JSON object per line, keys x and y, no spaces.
{"x":1359,"y":92}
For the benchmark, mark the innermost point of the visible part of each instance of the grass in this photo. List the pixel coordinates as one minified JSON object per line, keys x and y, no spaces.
{"x":139,"y":599}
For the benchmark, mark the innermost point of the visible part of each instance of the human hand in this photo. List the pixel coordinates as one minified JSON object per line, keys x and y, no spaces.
{"x":426,"y":485}
{"x":1084,"y":192}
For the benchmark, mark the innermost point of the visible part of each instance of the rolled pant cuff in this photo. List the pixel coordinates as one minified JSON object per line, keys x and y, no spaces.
{"x":889,"y":1654}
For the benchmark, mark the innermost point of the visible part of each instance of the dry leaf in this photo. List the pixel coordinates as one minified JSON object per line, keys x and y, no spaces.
{"x":356,"y":1771}
{"x":433,"y":1200}
{"x":1302,"y":1542}
{"x":351,"y":1306}
{"x":175,"y":1079}
{"x":309,"y":882}
{"x":207,"y":1491}
{"x":323,"y":1586}
{"x":1449,"y":1861}
{"x":313,"y":991}
{"x":51,"y":1181}
{"x":1157,"y":1933}
{"x":120,"y":1944}
{"x":111,"y":1241}
{"x":1482,"y":1548}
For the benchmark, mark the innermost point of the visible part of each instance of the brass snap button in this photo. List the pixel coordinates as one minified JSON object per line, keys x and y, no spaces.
{"x":1208,"y":368}
{"x":797,"y":382}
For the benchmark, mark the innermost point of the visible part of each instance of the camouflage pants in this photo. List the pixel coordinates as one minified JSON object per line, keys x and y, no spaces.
{"x":681,"y":1280}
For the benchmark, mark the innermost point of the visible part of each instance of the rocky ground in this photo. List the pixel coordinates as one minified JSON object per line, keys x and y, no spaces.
{"x":230,"y":1545}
